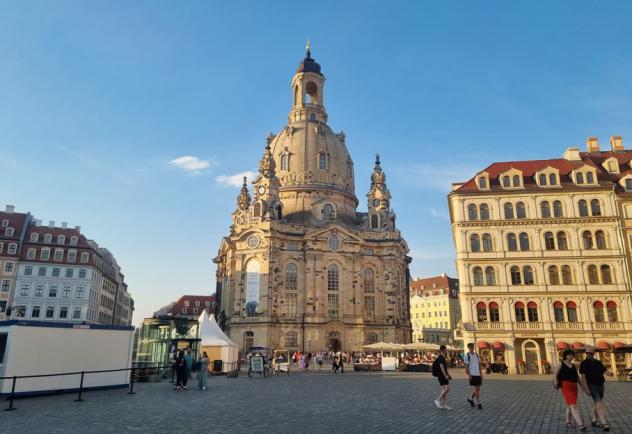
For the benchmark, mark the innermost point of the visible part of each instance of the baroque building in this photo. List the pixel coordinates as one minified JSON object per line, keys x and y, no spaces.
{"x":434,"y":309}
{"x":302,"y":269}
{"x":543,"y":257}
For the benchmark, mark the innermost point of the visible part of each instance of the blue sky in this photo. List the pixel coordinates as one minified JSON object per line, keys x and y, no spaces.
{"x":97,"y":98}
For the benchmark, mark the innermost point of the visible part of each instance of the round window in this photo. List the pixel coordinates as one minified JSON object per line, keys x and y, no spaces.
{"x":334,"y":243}
{"x":253,"y":241}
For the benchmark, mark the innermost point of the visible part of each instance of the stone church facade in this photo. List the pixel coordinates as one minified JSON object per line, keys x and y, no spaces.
{"x":302,"y":269}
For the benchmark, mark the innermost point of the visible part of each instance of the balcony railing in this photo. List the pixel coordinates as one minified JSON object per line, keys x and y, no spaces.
{"x":566,"y":325}
{"x":489,"y":325}
{"x":608,"y":325}
{"x":528,"y":325}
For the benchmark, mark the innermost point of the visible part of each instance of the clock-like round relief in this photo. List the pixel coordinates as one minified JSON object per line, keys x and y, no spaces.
{"x":253,"y":241}
{"x":262,"y":189}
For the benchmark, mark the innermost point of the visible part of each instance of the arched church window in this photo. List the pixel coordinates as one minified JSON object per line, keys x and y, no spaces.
{"x":311,"y":92}
{"x":368,"y":280}
{"x":291,"y":277}
{"x":279,"y":211}
{"x":284,"y":162}
{"x":322,"y":161}
{"x":332,"y":278}
{"x":257,"y":210}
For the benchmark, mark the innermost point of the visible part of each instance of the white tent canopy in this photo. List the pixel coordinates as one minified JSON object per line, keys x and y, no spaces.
{"x":215,"y":343}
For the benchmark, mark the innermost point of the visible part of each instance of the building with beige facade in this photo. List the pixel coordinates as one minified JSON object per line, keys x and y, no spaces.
{"x":302,"y":269}
{"x":543,"y":256}
{"x":434,"y":309}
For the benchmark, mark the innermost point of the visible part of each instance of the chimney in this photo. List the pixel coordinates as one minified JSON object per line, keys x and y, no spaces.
{"x":51,"y":224}
{"x":64,"y":225}
{"x":616,"y":142}
{"x":592,"y":144}
{"x":10,"y":209}
{"x":78,"y":228}
{"x":38,"y":222}
{"x":571,"y":154}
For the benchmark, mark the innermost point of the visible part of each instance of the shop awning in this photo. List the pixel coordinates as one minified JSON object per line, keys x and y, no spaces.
{"x":483,"y":345}
{"x":578,"y":346}
{"x":561,"y":345}
{"x":618,"y":345}
{"x":603,"y":345}
{"x":498,"y":345}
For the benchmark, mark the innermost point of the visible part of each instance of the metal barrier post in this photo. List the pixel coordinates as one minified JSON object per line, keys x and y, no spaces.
{"x":131,"y":383}
{"x":11,"y":407}
{"x":79,"y":399}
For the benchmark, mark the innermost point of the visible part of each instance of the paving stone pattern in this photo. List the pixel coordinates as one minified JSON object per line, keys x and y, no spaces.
{"x":315,"y":403}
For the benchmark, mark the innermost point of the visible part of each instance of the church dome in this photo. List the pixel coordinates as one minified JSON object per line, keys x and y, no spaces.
{"x":309,"y":65}
{"x":311,"y":154}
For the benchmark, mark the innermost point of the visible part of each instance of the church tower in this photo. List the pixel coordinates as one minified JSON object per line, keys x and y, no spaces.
{"x":302,"y":268}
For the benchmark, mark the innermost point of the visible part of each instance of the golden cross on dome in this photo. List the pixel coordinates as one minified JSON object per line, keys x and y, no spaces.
{"x":308,"y":48}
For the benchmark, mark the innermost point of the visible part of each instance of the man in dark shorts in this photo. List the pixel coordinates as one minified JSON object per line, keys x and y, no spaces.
{"x":592,"y":371}
{"x":444,"y":379}
{"x":474,"y":374}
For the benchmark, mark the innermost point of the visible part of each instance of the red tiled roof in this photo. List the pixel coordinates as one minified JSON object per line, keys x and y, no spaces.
{"x":176,"y":309}
{"x":565,"y":167}
{"x":16,"y":221}
{"x":68,"y":233}
{"x":426,"y":284}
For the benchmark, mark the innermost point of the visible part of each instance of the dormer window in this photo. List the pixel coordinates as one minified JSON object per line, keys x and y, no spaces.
{"x":34,"y":237}
{"x":579,"y":178}
{"x":73,"y":241}
{"x":516,"y":181}
{"x":61,"y":239}
{"x":482,"y":183}
{"x":322,"y":161}
{"x":512,"y":178}
{"x":5,"y":223}
{"x":506,"y":182}
{"x":542,"y":179}
{"x":552,"y":179}
{"x":590,"y":178}
{"x":8,"y":232}
{"x":48,"y":238}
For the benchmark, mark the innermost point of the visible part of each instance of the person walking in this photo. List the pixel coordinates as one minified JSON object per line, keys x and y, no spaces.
{"x":567,"y":379}
{"x":474,"y":374}
{"x":203,"y":371}
{"x":181,"y":371}
{"x":188,"y":361}
{"x":440,"y":370}
{"x":592,"y":372}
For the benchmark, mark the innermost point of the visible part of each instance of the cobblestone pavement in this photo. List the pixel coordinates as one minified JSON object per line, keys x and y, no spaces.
{"x":315,"y":403}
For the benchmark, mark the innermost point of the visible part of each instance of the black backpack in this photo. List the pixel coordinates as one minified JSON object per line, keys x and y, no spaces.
{"x":435,"y":368}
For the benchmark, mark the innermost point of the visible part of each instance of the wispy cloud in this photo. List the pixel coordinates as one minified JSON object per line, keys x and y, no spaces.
{"x":97,"y":166}
{"x":439,"y":213}
{"x":192,"y":164}
{"x":438,"y":176}
{"x":236,"y":179}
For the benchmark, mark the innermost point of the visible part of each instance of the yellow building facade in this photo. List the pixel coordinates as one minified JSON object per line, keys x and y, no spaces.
{"x":434,"y":309}
{"x":543,"y":257}
{"x":302,"y":269}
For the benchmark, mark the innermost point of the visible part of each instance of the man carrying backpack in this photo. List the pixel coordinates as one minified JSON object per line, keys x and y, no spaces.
{"x":440,"y":370}
{"x":474,"y":374}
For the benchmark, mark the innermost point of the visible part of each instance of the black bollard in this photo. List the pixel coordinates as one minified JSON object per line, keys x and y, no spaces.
{"x":79,"y":399}
{"x":11,"y":407}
